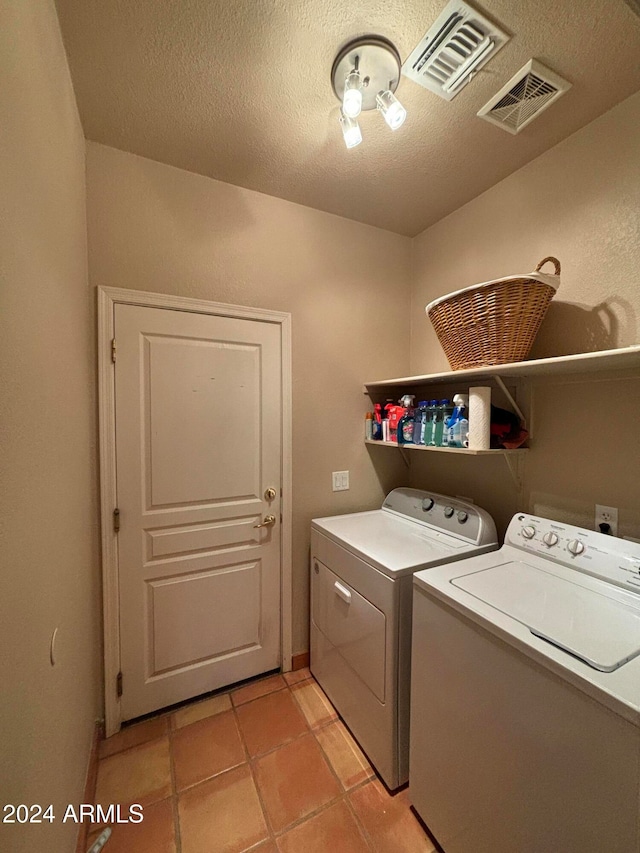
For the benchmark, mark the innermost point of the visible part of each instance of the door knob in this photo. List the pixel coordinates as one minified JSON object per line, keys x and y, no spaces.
{"x":270,"y":494}
{"x":269,"y":521}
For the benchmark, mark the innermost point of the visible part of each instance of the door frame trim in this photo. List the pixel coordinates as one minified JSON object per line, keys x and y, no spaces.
{"x":108,"y":297}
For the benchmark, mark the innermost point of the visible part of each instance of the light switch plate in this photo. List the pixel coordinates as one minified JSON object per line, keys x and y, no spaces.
{"x":340,"y":481}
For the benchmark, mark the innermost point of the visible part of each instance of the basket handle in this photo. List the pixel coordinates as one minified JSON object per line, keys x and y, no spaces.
{"x":554,"y":261}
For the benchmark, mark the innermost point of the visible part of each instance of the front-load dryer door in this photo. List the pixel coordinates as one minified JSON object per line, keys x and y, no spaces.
{"x":354,"y":626}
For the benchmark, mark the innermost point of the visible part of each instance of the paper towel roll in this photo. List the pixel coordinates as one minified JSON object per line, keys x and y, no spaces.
{"x":479,"y":417}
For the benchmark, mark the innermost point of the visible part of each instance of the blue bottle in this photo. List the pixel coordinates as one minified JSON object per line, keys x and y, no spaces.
{"x":436,"y":423}
{"x":447,"y":411}
{"x":420,"y":422}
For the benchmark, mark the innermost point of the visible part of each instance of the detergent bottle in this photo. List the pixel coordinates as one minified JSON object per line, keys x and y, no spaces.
{"x":376,"y":426}
{"x":394,"y":413}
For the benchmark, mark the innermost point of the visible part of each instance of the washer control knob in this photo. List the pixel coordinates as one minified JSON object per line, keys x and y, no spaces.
{"x":528,"y":532}
{"x":550,"y":539}
{"x":427,"y":504}
{"x":462,"y":516}
{"x":448,"y":511}
{"x":575,"y":547}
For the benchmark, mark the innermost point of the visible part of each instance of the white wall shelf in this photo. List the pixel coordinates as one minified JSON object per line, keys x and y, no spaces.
{"x":625,"y":358}
{"x":463,"y":450}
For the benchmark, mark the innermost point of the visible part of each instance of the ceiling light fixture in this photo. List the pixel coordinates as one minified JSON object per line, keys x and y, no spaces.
{"x":365,"y":75}
{"x":352,"y":98}
{"x":350,"y":130}
{"x":392,"y":110}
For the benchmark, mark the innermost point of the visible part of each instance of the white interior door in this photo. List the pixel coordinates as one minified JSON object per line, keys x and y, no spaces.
{"x":198,"y":416}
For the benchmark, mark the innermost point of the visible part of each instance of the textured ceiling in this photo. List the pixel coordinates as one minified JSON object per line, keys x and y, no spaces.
{"x":241,"y":91}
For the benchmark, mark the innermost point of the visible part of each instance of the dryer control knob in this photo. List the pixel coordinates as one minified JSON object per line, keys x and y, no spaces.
{"x":462,"y":516}
{"x":575,"y":547}
{"x":427,"y":504}
{"x":550,"y":539}
{"x":528,"y":532}
{"x":448,"y":511}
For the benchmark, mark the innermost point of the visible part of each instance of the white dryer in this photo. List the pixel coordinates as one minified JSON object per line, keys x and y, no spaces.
{"x":525,"y":698}
{"x":361,"y":573}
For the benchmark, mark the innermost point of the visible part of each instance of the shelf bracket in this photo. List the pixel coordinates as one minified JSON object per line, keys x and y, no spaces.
{"x":404,"y":456}
{"x":510,"y":398}
{"x":514,"y":469}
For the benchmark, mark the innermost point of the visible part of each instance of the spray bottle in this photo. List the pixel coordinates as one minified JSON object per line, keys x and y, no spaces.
{"x":458,"y":423}
{"x":405,"y":424}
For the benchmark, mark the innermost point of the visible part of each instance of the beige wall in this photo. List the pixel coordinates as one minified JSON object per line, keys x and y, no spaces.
{"x":580,"y":202}
{"x":156,"y":228}
{"x":48,"y":499}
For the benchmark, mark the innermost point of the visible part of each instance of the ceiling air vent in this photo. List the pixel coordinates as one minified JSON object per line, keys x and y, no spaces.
{"x":459,"y":43}
{"x":526,"y":95}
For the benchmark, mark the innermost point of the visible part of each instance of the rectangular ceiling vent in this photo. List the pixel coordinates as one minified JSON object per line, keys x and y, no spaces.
{"x":459,"y":43}
{"x":525,"y":96}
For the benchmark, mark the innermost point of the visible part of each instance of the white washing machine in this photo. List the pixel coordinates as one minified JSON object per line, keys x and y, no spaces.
{"x":525,"y":698}
{"x":361,"y":571}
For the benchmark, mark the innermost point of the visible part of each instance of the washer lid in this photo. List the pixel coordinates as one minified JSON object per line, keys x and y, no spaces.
{"x":600,"y":629}
{"x":393,"y":544}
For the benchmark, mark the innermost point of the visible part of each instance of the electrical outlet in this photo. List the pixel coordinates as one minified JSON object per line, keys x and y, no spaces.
{"x":340,"y":481}
{"x":607,"y":515}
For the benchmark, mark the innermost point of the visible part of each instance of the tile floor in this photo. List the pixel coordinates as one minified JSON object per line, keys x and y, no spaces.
{"x":266,"y":767}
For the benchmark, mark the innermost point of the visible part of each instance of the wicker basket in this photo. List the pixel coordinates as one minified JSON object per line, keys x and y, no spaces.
{"x":494,"y":322}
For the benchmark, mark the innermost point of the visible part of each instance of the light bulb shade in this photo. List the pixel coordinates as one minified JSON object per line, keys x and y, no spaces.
{"x":350,"y":131}
{"x":352,"y":98}
{"x":391,"y":108}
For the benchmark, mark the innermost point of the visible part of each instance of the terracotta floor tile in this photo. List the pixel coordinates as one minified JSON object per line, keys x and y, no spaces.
{"x":389,"y":822}
{"x":156,"y":833}
{"x":206,"y":748}
{"x":222,"y":815}
{"x":199,"y":710}
{"x":334,"y":830}
{"x":138,"y":775}
{"x":133,"y":736}
{"x":297,"y":675}
{"x":344,"y":754}
{"x":315,"y":705}
{"x":294,"y":781}
{"x":270,"y":721}
{"x":257,"y":689}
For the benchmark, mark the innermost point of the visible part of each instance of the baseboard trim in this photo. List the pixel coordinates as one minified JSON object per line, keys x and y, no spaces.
{"x":299,"y":661}
{"x":90,"y":786}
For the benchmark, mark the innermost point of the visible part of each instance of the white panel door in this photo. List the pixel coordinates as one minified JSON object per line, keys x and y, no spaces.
{"x":198,"y":443}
